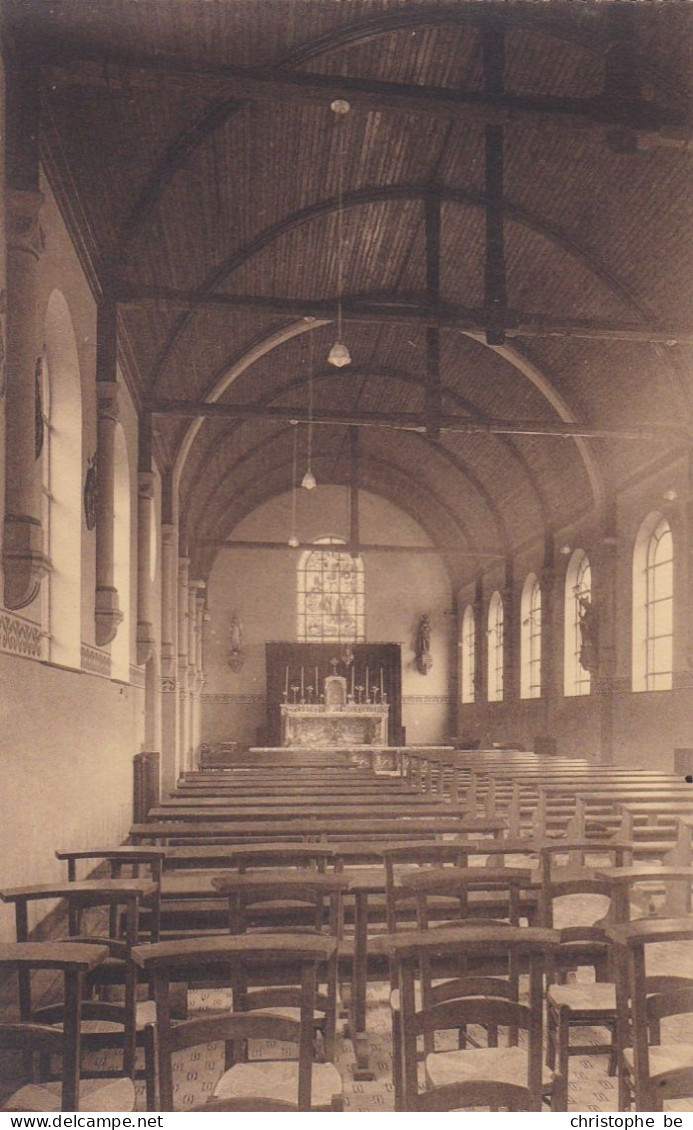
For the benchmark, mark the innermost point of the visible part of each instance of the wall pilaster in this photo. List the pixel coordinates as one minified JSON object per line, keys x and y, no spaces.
{"x":25,"y":561}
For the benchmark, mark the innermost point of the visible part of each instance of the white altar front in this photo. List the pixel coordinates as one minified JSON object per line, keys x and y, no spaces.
{"x":336,"y":722}
{"x":314,"y":725}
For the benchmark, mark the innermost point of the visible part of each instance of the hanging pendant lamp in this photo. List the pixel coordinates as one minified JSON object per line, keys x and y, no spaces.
{"x":339,"y":355}
{"x":293,"y":539}
{"x":308,"y":482}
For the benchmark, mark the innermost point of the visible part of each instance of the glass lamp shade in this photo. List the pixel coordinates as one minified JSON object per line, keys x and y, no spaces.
{"x":339,"y":355}
{"x":293,"y":541}
{"x":308,"y":481}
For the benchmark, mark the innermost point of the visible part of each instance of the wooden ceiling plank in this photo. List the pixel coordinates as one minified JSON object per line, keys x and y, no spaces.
{"x":495,"y":284}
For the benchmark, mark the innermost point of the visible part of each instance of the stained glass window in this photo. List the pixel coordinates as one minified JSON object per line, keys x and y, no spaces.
{"x":330,"y":595}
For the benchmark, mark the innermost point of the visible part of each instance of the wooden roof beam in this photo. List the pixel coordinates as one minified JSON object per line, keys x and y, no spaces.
{"x":136,"y":72}
{"x":363,"y":547}
{"x":415,"y":421}
{"x":400,"y":310}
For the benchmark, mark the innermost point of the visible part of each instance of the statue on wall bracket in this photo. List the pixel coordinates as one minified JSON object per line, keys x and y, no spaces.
{"x":589,"y":635}
{"x":423,"y":657}
{"x":91,"y":490}
{"x":235,"y":658}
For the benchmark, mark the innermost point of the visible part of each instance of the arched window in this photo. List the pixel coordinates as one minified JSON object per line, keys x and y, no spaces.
{"x":653,"y":605}
{"x":122,"y":534}
{"x":578,"y":603}
{"x":495,"y":648}
{"x":530,"y":639}
{"x":468,"y":654}
{"x":330,"y":595}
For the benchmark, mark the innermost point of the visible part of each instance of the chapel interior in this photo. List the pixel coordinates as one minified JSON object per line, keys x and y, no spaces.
{"x":346,"y":426}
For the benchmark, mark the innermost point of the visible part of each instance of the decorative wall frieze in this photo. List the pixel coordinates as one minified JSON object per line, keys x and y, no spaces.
{"x":95,"y":661}
{"x":232,"y":699}
{"x":21,"y":637}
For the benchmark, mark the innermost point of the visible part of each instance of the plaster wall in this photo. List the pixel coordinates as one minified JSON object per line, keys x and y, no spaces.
{"x":66,"y":743}
{"x":260,"y":587}
{"x":67,"y":737}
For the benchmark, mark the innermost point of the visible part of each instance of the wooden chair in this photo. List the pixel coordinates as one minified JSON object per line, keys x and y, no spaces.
{"x":311,"y":1086}
{"x":650,"y":1072}
{"x":117,"y":1020}
{"x":300,"y":901}
{"x":583,"y":944}
{"x":442,"y":894}
{"x":510,"y":1077}
{"x":38,"y":1042}
{"x":115,"y":858}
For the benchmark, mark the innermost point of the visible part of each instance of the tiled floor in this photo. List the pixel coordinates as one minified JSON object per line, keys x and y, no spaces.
{"x":590,"y":1088}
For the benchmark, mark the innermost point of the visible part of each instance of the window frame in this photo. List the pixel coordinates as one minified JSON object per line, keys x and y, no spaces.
{"x":468,"y":656}
{"x":495,"y":655}
{"x":530,"y":639}
{"x":650,"y":606}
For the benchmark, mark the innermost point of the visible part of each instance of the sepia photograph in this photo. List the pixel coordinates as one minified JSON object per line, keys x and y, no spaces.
{"x":346,"y":558}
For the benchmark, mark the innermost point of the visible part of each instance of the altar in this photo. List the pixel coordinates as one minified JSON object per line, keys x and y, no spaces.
{"x":335,"y":721}
{"x":315,"y":725}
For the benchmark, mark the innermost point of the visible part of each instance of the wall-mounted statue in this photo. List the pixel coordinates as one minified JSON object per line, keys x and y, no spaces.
{"x":589,"y":635}
{"x":91,"y":491}
{"x":235,"y":658}
{"x":424,"y":659}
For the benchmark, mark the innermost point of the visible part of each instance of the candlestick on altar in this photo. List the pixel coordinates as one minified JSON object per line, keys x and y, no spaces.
{"x":316,"y":680}
{"x":382,"y":688}
{"x":366,"y":680}
{"x":286,"y":682}
{"x":302,"y":690}
{"x":374,"y":692}
{"x":295,"y":690}
{"x":353,"y":677}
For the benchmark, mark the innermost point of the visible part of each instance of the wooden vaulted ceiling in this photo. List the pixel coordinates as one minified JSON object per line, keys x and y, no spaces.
{"x":192,"y":147}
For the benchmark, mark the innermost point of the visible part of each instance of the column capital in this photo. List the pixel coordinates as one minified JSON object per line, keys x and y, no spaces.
{"x":107,"y":614}
{"x":169,"y":660}
{"x":547,"y":578}
{"x":146,"y":642}
{"x":24,"y":231}
{"x":107,"y":393}
{"x":145,"y":485}
{"x":25,"y":562}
